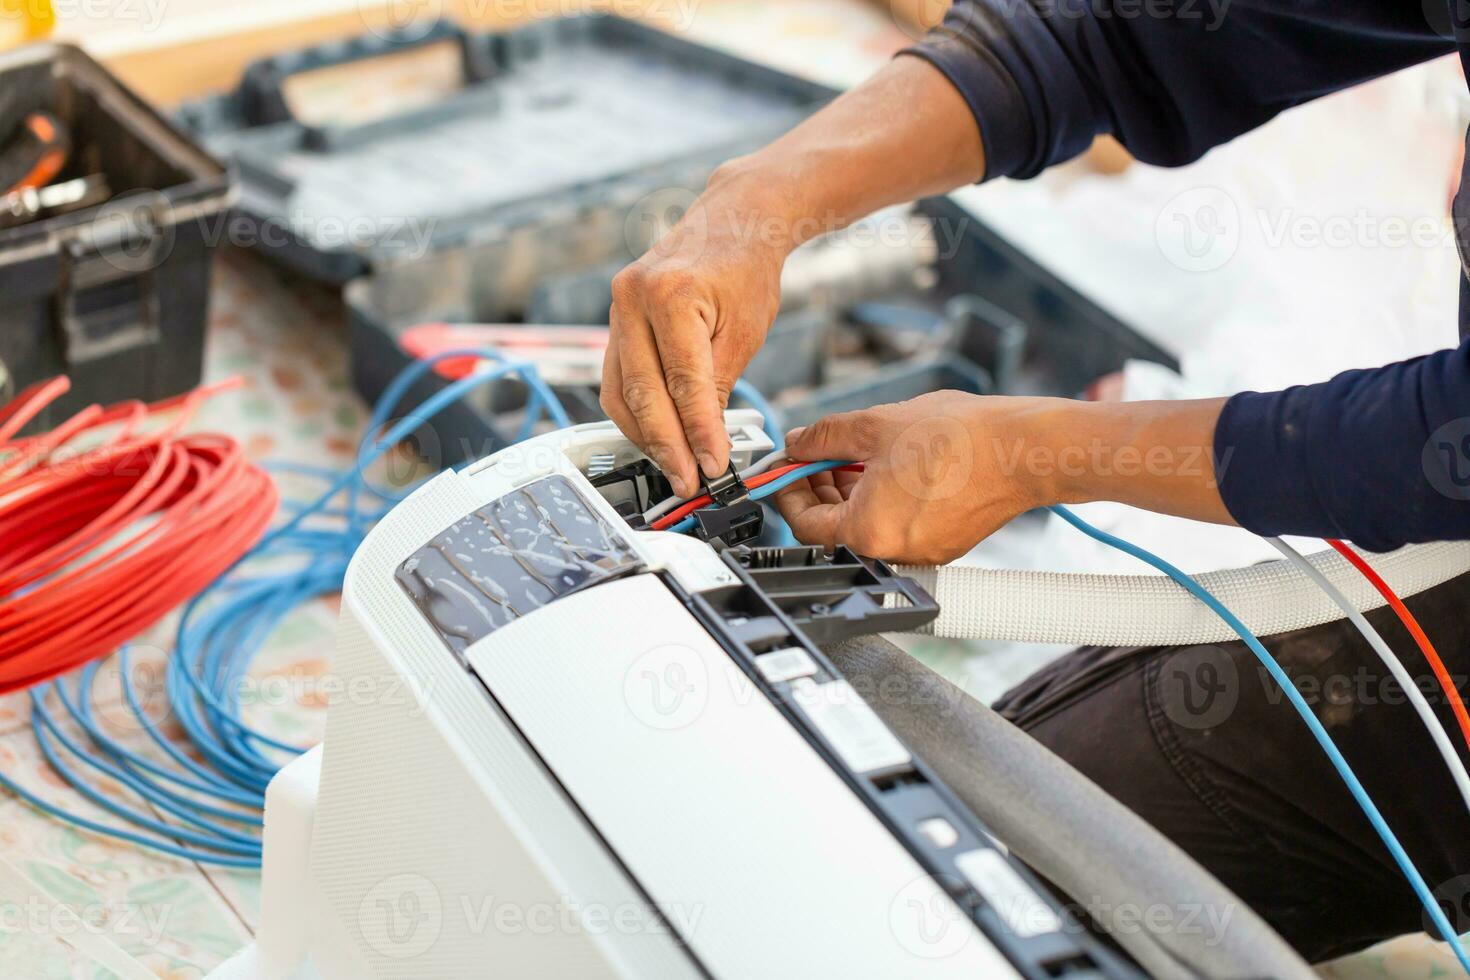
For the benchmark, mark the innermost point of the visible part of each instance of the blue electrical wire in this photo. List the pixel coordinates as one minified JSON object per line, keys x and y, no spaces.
{"x":217,"y":638}
{"x":1380,"y":826}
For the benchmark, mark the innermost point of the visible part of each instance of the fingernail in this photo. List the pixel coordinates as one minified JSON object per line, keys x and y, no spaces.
{"x":795,"y":434}
{"x":678,"y":486}
{"x":708,"y":466}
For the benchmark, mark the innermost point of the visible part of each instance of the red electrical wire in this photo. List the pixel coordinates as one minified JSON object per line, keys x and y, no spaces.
{"x":1441,"y":674}
{"x":759,"y":480}
{"x":101,"y":539}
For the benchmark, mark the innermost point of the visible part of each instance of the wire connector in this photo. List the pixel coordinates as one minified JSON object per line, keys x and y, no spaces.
{"x":734,"y":518}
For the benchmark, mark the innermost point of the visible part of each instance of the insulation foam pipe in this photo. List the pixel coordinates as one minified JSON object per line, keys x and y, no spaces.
{"x":1150,"y":610}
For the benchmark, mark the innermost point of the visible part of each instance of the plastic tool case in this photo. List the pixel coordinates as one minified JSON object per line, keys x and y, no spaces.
{"x":114,"y":295}
{"x":563,"y":149}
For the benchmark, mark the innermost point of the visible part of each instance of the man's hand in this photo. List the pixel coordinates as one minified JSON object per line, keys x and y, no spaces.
{"x":686,"y":320}
{"x":688,"y":316}
{"x":945,"y":470}
{"x":925,"y":495}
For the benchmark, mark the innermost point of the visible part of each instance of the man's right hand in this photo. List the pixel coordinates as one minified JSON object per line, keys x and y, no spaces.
{"x":686,"y":319}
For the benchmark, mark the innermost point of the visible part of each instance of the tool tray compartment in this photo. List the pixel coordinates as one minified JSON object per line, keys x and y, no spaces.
{"x":114,"y":295}
{"x":559,"y":152}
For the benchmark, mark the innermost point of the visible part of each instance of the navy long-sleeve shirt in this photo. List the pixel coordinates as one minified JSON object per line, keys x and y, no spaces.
{"x":1379,"y":456}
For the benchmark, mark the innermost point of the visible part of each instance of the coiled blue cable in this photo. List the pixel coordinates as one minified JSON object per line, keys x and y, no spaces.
{"x":1364,"y":801}
{"x":218,"y":635}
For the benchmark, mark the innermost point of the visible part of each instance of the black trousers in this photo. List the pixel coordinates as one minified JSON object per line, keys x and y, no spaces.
{"x":1199,"y":741}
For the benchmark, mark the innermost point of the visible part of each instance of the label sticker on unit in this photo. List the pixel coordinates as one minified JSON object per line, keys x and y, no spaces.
{"x":1003,"y":888}
{"x":854,"y":730}
{"x":785,"y":665}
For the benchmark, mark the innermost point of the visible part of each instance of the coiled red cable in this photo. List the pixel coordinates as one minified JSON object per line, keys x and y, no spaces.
{"x":102,"y":533}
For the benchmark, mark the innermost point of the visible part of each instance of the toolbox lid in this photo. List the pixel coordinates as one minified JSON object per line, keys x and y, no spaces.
{"x":564,"y":113}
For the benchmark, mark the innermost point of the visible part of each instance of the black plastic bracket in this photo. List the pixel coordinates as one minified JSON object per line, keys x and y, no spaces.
{"x":832,"y":597}
{"x":734,"y":518}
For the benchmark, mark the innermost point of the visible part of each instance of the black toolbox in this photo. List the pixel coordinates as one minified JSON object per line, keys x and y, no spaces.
{"x":114,"y":295}
{"x":564,"y":149}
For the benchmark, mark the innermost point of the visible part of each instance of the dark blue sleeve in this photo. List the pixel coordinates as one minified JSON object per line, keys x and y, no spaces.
{"x":1168,"y":78}
{"x":1380,"y":457}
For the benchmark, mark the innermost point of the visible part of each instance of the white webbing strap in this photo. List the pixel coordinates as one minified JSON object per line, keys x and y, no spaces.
{"x":86,"y":938}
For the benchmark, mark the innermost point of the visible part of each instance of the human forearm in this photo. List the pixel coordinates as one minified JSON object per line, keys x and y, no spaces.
{"x":689,"y":315}
{"x":1156,"y":455}
{"x":945,"y":470}
{"x":904,"y":134}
